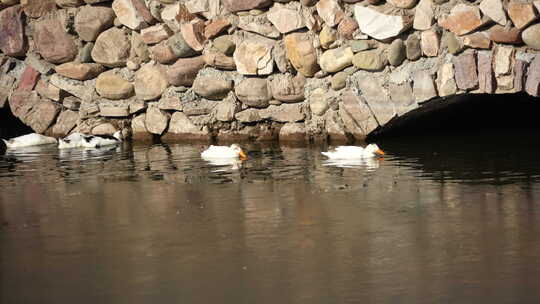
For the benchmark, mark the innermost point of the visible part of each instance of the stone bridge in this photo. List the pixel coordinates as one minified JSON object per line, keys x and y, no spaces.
{"x":238,"y":70}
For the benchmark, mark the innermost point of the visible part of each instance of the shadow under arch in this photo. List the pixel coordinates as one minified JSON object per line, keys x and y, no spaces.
{"x":487,"y":139}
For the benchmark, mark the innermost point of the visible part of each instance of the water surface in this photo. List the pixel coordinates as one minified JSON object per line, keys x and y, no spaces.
{"x":450,"y":219}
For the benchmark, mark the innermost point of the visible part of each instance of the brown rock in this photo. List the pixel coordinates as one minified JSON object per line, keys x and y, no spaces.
{"x":423,"y":86}
{"x":531,"y":36}
{"x":184,"y":71}
{"x":157,"y":121}
{"x":486,"y":78}
{"x":67,"y":120}
{"x":37,"y":8}
{"x":286,"y":18}
{"x":356,"y":107}
{"x":28,"y":79}
{"x":216,"y":27}
{"x":132,"y":13}
{"x":79,"y":71}
{"x":162,"y":53}
{"x":521,"y":14}
{"x":301,"y":54}
{"x":288,"y":89}
{"x":193,"y":33}
{"x":112,"y":48}
{"x":212,"y":88}
{"x":42,"y":115}
{"x":347,"y":27}
{"x":520,"y":68}
{"x":53,"y":43}
{"x":219,"y":61}
{"x":465,"y":71}
{"x":403,"y":3}
{"x":463,"y":19}
{"x":254,"y":92}
{"x":532,"y":85}
{"x":501,"y":34}
{"x":478,"y":40}
{"x":92,"y":20}
{"x":254,"y":57}
{"x":150,"y":82}
{"x":112,"y":86}
{"x":181,"y":128}
{"x":330,"y":11}
{"x":155,"y":34}
{"x":12,"y":39}
{"x":245,"y":5}
{"x":430,"y":43}
{"x":69,"y":3}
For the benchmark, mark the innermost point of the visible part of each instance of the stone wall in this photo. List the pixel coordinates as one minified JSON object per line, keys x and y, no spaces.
{"x":236,"y":70}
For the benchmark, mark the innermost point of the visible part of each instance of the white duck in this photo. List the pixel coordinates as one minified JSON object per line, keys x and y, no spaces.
{"x":28,"y":140}
{"x":354,"y":152}
{"x":79,"y":140}
{"x":233,"y":151}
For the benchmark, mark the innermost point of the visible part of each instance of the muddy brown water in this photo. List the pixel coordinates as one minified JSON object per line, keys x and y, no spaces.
{"x":444,"y":220}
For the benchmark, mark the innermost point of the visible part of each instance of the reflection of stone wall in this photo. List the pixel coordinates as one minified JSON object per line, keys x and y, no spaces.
{"x":255,"y":69}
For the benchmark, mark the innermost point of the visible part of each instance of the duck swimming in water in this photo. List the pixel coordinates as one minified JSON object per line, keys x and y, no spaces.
{"x":79,"y":140}
{"x":28,"y":140}
{"x":354,"y":152}
{"x":232,"y":151}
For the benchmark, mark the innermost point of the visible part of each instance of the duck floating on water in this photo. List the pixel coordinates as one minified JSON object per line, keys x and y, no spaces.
{"x":28,"y":140}
{"x":79,"y":140}
{"x":232,"y":151}
{"x":354,"y":152}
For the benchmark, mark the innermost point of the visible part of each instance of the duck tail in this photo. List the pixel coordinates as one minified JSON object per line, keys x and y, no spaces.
{"x":118,"y":135}
{"x":327,"y":154}
{"x":5,"y":143}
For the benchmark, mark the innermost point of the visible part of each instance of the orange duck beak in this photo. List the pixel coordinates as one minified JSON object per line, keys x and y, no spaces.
{"x":380,"y":152}
{"x":242,"y":155}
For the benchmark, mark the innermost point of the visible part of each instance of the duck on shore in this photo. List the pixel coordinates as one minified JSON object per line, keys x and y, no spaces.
{"x":79,"y":140}
{"x":354,"y":152}
{"x":232,"y":151}
{"x":32,"y":139}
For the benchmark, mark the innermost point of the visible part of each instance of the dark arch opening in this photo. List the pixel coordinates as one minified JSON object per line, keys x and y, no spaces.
{"x":504,"y":114}
{"x":11,"y":126}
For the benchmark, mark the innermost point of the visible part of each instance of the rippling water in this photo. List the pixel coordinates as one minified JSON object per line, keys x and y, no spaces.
{"x":439,"y":220}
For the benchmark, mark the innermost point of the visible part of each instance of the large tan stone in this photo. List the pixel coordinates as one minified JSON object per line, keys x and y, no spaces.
{"x":112,"y":86}
{"x":150,"y":81}
{"x":193,"y":34}
{"x":288,"y":89}
{"x":53,"y":43}
{"x":156,"y":121}
{"x":370,"y":60}
{"x":212,"y":88}
{"x":302,"y":55}
{"x":92,"y":20}
{"x":254,"y":92}
{"x":112,"y":48}
{"x":429,"y":40}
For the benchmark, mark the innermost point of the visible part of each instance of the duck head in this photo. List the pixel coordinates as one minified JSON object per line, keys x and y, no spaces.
{"x":236,"y":148}
{"x":373,"y":149}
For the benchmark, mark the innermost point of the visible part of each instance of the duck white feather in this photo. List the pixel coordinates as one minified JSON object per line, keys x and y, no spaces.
{"x":232,"y":151}
{"x":28,"y":140}
{"x":79,"y":140}
{"x":354,"y":152}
